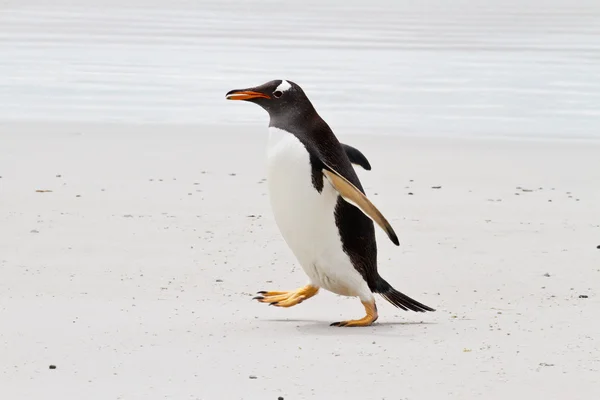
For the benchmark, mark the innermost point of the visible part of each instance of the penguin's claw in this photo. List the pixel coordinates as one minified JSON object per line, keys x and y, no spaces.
{"x":287,"y":299}
{"x":275,"y":298}
{"x":367,"y":320}
{"x":265,"y":293}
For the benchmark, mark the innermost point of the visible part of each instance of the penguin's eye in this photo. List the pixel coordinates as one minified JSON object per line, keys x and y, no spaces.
{"x":277,"y":94}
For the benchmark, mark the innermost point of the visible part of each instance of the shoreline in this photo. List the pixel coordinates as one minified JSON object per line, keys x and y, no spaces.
{"x":62,"y":127}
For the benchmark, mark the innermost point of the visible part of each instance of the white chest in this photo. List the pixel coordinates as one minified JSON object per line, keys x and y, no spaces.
{"x":304,"y":216}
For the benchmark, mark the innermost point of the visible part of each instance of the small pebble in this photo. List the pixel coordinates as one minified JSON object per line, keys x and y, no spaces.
{"x":219,"y":280}
{"x":583,"y":296}
{"x":252,"y":377}
{"x":598,"y":247}
{"x":52,"y":367}
{"x":280,"y":398}
{"x":410,"y":193}
{"x":547,"y":275}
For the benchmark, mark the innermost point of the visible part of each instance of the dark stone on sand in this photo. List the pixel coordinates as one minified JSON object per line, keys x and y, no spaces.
{"x":52,"y":367}
{"x":583,"y":296}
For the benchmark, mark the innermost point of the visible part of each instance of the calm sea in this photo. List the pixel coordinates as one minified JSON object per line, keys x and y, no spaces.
{"x":496,"y":67}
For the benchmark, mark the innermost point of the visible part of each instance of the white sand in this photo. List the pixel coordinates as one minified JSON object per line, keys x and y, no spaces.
{"x":134,"y":276}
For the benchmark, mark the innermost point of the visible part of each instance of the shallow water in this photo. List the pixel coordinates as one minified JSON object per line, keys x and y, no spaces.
{"x":529,"y":68}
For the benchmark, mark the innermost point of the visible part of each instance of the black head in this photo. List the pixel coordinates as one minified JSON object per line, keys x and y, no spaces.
{"x":279,"y":97}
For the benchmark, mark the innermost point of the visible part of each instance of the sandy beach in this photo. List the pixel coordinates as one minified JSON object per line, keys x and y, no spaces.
{"x":135,"y":226}
{"x":133,"y":272}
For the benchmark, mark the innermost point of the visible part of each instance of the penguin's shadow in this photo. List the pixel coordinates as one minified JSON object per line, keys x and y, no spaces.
{"x":307,"y":326}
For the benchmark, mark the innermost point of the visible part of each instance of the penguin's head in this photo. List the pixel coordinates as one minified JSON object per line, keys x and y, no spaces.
{"x":278,"y":97}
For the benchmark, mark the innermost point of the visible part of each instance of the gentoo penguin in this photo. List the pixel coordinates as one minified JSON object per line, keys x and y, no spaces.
{"x":320,"y":206}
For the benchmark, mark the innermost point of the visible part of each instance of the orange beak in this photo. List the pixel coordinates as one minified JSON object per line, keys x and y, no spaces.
{"x":244,"y":95}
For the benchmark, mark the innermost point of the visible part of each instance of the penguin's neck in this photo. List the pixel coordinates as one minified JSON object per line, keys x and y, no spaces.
{"x":277,"y":136}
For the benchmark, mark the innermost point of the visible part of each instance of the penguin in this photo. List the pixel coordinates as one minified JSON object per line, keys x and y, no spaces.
{"x":320,"y":206}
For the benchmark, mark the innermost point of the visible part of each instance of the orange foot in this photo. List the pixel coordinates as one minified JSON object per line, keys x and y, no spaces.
{"x":367,"y":320}
{"x":287,"y":299}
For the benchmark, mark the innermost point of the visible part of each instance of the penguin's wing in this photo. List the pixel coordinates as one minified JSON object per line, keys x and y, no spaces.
{"x":352,"y":195}
{"x":356,"y":157}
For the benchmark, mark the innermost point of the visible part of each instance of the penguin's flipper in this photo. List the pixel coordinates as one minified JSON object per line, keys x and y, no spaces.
{"x":356,"y":157}
{"x":352,"y":195}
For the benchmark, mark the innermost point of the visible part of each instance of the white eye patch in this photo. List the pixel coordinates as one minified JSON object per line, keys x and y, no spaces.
{"x":283,"y":86}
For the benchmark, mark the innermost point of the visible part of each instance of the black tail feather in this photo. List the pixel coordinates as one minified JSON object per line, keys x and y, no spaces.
{"x":400,"y":300}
